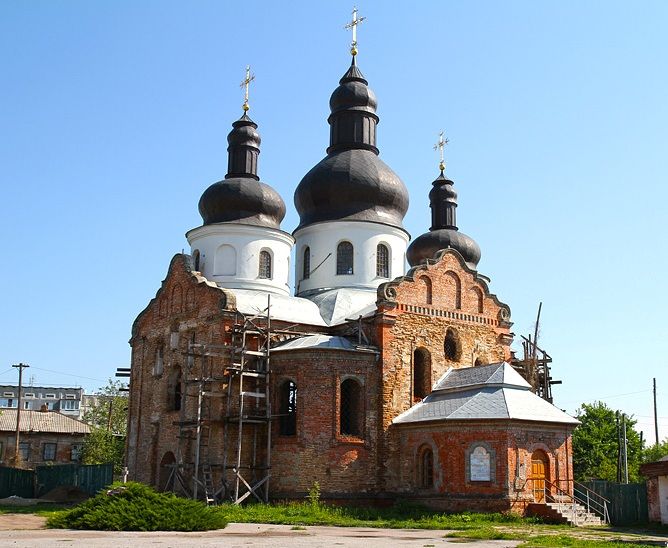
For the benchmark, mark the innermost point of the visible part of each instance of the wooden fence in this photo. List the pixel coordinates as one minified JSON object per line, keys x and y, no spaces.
{"x":628,"y":501}
{"x":90,"y":478}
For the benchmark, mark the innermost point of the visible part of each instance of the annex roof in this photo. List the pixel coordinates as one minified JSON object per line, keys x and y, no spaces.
{"x":488,"y":392}
{"x":39,"y":421}
{"x":321,"y":342}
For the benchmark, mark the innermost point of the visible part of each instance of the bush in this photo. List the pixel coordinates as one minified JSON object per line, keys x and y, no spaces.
{"x":137,"y":507}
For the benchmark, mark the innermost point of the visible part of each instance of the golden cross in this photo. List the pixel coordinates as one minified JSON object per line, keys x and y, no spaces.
{"x":249,"y":78}
{"x":353,"y":26}
{"x":440,"y":146}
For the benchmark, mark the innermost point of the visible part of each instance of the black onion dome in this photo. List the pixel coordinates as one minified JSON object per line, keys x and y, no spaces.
{"x":241,"y":197}
{"x":352,"y":183}
{"x":443,"y":233}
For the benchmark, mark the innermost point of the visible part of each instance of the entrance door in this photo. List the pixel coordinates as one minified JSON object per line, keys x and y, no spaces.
{"x":539,"y":468}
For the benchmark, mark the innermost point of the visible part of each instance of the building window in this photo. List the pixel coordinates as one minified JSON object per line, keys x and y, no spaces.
{"x":196,"y":259}
{"x":451,"y":345}
{"x":225,"y":261}
{"x":306,"y":265}
{"x":351,"y":408}
{"x":382,"y":261}
{"x":176,"y":395}
{"x":8,"y":394}
{"x":9,"y":403}
{"x":69,"y":405}
{"x":76,"y":451}
{"x":50,"y":396}
{"x":27,"y":405}
{"x":421,"y":373}
{"x":159,"y":360}
{"x":265,"y":265}
{"x":24,"y":451}
{"x":425,"y":468}
{"x":480,"y":463}
{"x":288,"y":409}
{"x":29,"y":395}
{"x":49,"y":451}
{"x":344,"y":258}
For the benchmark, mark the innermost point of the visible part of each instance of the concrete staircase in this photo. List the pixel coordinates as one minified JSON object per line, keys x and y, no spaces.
{"x":565,"y":512}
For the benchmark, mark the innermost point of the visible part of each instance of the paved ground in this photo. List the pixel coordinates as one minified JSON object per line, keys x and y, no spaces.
{"x":235,"y":535}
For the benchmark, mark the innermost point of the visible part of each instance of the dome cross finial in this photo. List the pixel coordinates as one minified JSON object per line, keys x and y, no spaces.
{"x":440,"y":146}
{"x":245,"y":84}
{"x":353,"y":27}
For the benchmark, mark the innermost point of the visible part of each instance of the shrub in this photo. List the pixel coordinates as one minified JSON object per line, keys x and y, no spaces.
{"x":137,"y":507}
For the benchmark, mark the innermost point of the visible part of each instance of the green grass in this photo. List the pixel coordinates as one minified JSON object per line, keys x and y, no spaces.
{"x":137,"y":507}
{"x":44,"y":509}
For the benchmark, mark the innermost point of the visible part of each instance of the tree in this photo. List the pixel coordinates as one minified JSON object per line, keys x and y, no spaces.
{"x":655,"y":452}
{"x":108,"y":418}
{"x":596,"y":444}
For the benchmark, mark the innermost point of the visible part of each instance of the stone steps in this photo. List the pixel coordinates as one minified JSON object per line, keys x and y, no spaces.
{"x":575,"y":514}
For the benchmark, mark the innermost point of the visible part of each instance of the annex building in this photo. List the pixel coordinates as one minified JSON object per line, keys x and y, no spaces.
{"x":374,"y":381}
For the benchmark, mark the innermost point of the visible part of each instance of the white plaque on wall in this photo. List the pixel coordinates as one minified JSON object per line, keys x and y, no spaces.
{"x":480,"y":465}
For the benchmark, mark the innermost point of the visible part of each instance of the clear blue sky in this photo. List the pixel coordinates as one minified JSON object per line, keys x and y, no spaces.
{"x":114,"y":117}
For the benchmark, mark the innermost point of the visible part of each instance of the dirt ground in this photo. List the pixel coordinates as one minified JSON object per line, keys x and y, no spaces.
{"x":17,"y":532}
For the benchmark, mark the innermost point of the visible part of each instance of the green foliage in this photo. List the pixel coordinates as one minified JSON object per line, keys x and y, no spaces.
{"x":595,"y":444}
{"x":137,"y":507}
{"x":108,"y":417}
{"x":314,"y":494}
{"x":399,"y":516}
{"x":655,"y":452}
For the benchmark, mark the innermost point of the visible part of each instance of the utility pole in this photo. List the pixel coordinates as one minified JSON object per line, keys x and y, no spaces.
{"x":20,"y":367}
{"x":625,"y":454}
{"x":656,"y":422}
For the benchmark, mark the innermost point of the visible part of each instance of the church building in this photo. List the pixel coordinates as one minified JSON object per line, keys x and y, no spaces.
{"x":375,"y":381}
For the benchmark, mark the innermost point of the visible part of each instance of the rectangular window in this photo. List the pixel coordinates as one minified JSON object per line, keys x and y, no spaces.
{"x":50,"y":396}
{"x":75,"y":452}
{"x":27,"y":405}
{"x":70,"y":397}
{"x":69,"y":405}
{"x":8,"y":394}
{"x":49,"y":451}
{"x":24,"y":451}
{"x":29,"y":395}
{"x":9,"y":403}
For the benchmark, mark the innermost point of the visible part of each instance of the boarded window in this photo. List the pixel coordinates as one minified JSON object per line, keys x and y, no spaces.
{"x":225,"y":261}
{"x":344,"y":258}
{"x":425,"y":468}
{"x":351,"y":408}
{"x":451,"y":345}
{"x":265,"y":265}
{"x":480,"y":464}
{"x":49,"y":451}
{"x":288,"y":409}
{"x":421,"y":373}
{"x":306,"y":265}
{"x":382,"y":261}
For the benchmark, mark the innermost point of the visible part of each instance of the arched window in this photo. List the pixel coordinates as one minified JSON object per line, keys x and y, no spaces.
{"x":265,"y":265}
{"x":421,"y":373}
{"x":451,"y":347}
{"x":427,"y":289}
{"x":477,"y":299}
{"x":175,"y":395}
{"x":306,"y":265}
{"x":288,"y":409}
{"x":196,"y":259}
{"x":351,"y":408}
{"x":344,"y":258}
{"x":225,"y":261}
{"x":455,"y":289}
{"x":425,"y":468}
{"x":382,"y":261}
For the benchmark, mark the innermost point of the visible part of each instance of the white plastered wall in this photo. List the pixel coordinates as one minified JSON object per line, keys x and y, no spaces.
{"x":323,"y":238}
{"x":229,"y":254}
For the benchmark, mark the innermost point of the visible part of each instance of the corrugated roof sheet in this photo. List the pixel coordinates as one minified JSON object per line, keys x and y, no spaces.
{"x":38,"y":421}
{"x":493,"y":391}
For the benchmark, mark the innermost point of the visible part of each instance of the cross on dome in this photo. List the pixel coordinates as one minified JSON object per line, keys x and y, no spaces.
{"x":353,"y":26}
{"x":245,"y":84}
{"x":441,"y":146}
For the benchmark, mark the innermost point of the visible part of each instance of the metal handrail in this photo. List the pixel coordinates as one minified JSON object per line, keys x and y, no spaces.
{"x":598,"y":507}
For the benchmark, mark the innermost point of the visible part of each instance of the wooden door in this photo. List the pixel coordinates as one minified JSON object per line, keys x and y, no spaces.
{"x":538,"y":476}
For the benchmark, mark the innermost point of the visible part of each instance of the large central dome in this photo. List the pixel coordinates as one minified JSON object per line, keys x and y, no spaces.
{"x":352,"y":183}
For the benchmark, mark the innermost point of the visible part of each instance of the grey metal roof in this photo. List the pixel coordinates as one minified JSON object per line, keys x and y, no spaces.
{"x":38,"y":421}
{"x":488,"y":392}
{"x":321,"y":342}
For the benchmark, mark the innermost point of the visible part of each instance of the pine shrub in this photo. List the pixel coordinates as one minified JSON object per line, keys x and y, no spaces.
{"x":137,"y":507}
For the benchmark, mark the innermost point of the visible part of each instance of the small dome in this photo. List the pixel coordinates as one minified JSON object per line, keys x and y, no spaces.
{"x":242,"y":200}
{"x":428,"y":244}
{"x":241,"y":197}
{"x":353,"y":94}
{"x":351,"y":185}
